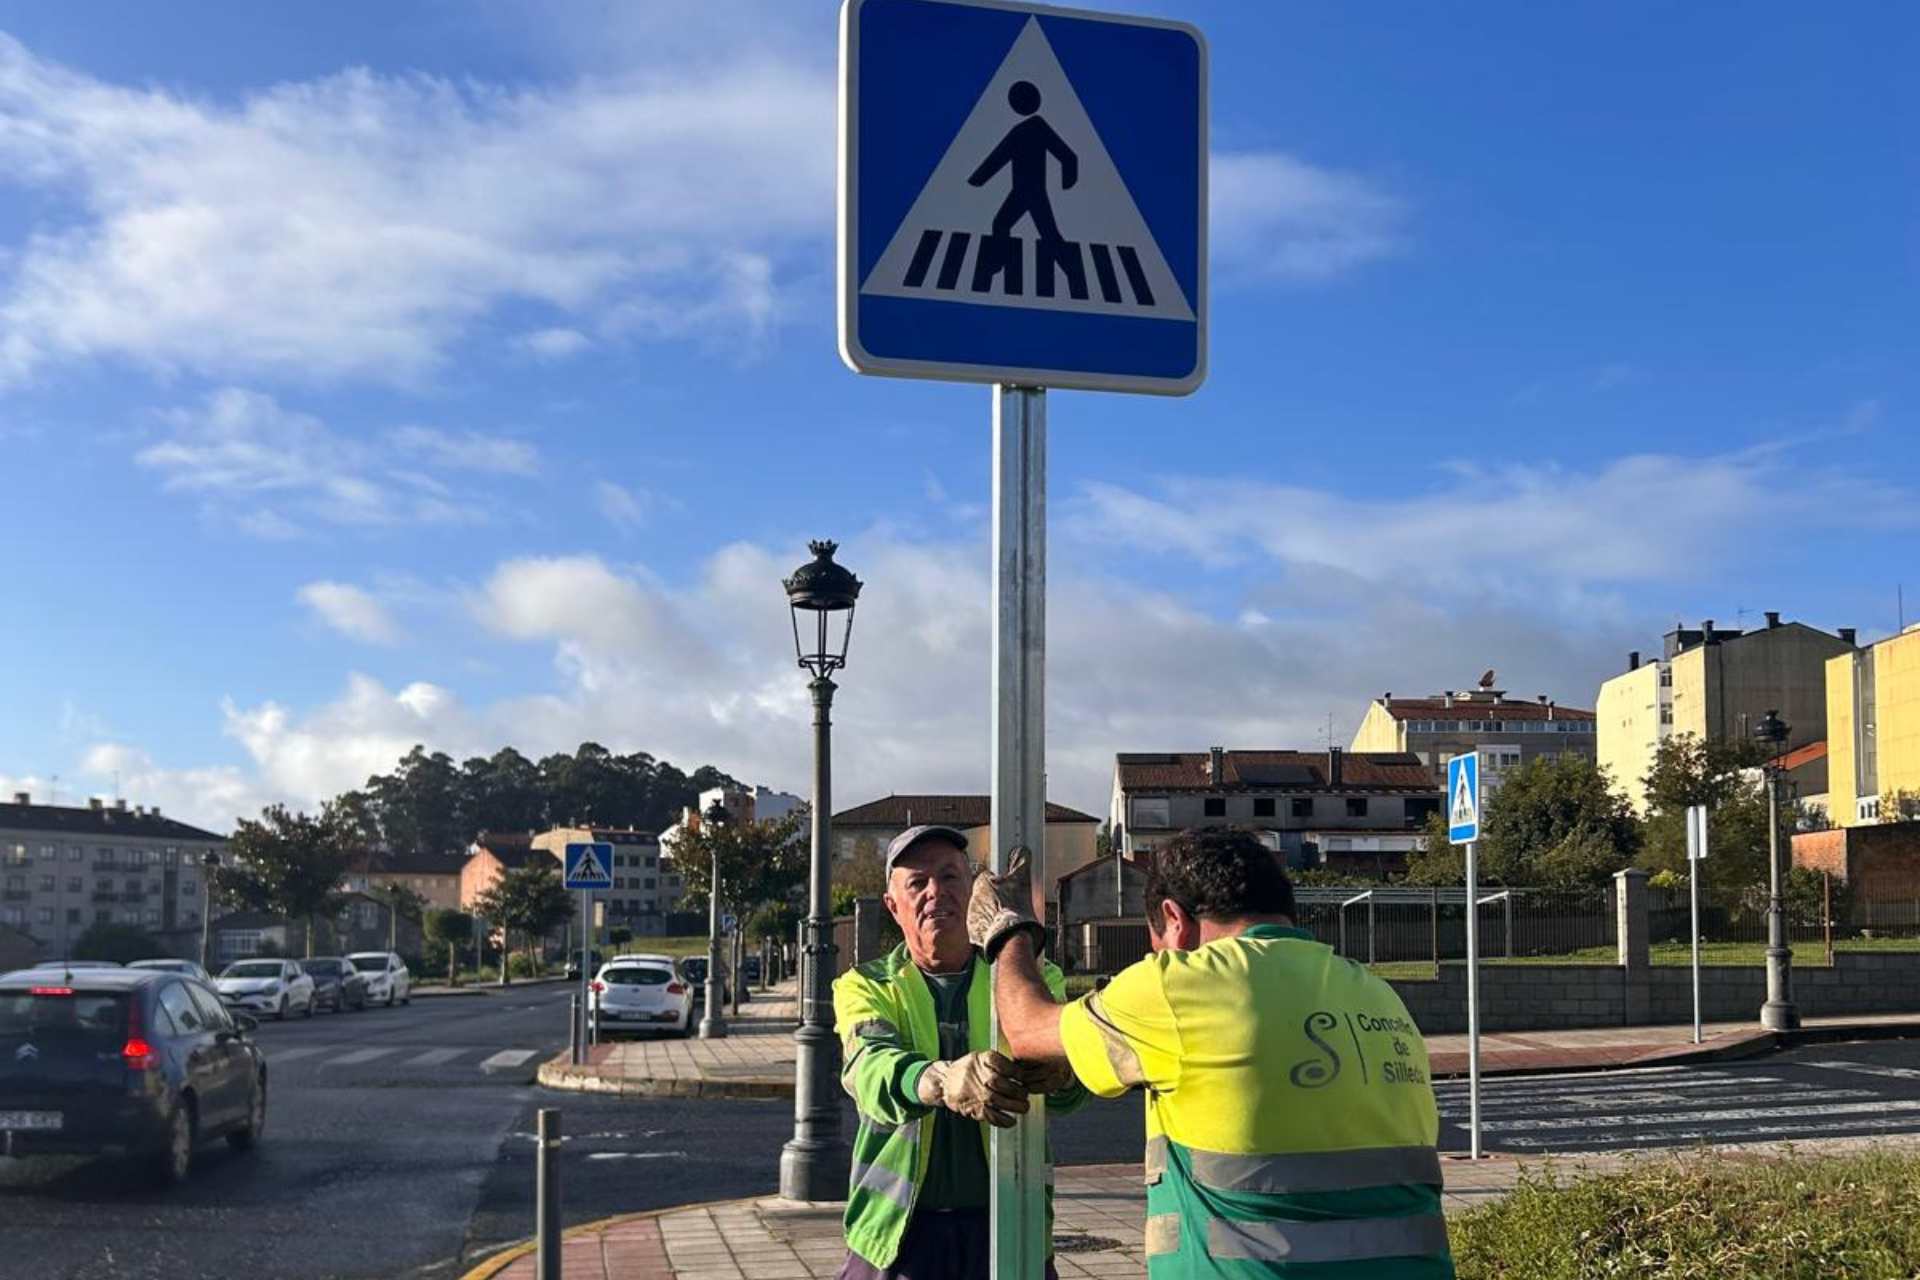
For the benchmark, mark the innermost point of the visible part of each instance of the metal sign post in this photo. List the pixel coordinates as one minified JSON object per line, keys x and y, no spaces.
{"x":1018,"y":812}
{"x":1696,"y":850}
{"x":1463,"y":827}
{"x":589,"y":866}
{"x":586,"y":975}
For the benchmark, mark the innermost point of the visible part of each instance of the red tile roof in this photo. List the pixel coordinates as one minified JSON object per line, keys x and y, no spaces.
{"x":1802,"y":756}
{"x":1464,"y":709}
{"x":1274,"y":771}
{"x":952,"y":811}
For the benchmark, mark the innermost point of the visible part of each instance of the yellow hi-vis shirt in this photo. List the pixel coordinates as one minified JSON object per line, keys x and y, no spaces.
{"x":1291,"y":1126}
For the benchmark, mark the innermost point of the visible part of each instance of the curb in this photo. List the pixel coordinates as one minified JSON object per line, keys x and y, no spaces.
{"x":557,"y":1073}
{"x":1735,"y":1047}
{"x":511,"y":1253}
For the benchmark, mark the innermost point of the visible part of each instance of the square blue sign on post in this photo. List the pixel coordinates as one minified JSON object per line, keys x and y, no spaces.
{"x":1463,"y":798}
{"x":1023,"y":195}
{"x":590,"y":866}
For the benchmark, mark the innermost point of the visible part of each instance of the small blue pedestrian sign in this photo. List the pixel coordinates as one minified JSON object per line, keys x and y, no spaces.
{"x":1023,"y":195}
{"x":590,"y":866}
{"x":1463,"y":798}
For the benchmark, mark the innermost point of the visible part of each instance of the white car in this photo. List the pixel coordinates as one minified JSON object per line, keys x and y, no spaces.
{"x":187,"y":967}
{"x":388,"y":979}
{"x":642,"y":994}
{"x":274,"y":988}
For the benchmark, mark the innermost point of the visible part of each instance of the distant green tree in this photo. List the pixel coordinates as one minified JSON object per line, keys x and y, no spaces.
{"x":120,"y":943}
{"x":1556,"y":822}
{"x":446,"y":927}
{"x":864,"y":875}
{"x":289,"y":864}
{"x":1723,"y":777}
{"x":1439,"y":861}
{"x":531,"y":901}
{"x":619,"y":936}
{"x":759,"y":861}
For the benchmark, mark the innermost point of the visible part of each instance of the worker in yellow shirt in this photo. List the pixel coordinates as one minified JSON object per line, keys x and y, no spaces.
{"x":1291,"y":1127}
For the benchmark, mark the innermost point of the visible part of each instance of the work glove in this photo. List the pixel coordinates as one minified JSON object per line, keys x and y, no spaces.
{"x":1002,"y":906}
{"x":1044,"y":1077}
{"x":980,"y":1086}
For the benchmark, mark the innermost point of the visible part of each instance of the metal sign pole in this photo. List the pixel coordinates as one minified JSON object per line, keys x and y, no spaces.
{"x":1696,"y":850}
{"x":586,"y":978}
{"x":1473,"y":997}
{"x":1018,"y":1205}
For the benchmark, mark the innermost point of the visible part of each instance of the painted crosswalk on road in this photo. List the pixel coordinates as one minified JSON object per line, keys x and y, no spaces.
{"x":477,"y":1057}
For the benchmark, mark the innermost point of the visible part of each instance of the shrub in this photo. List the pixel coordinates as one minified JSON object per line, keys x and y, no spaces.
{"x":1704,"y":1217}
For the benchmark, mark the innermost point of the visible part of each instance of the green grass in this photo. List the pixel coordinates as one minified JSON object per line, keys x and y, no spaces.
{"x":1704,"y":1218}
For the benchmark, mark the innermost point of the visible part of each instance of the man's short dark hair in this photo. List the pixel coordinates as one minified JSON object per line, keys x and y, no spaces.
{"x":1218,"y":873}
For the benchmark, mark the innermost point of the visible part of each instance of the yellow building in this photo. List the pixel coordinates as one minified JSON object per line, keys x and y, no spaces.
{"x":1873,"y":727}
{"x":1716,"y":684}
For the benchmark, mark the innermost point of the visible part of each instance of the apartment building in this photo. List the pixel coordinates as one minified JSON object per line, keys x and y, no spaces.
{"x":873,"y":825}
{"x":1715,"y":683}
{"x":646,"y":885}
{"x":1873,"y":729}
{"x":434,"y":876}
{"x":1508,"y":732}
{"x":64,"y":869}
{"x":1362,"y":811}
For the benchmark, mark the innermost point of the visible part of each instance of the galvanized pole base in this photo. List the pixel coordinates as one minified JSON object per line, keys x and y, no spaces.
{"x":1019,"y":1209}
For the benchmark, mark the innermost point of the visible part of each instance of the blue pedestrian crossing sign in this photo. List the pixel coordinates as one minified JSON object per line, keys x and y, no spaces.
{"x":590,"y":866}
{"x":1463,"y":798}
{"x":1023,"y":195}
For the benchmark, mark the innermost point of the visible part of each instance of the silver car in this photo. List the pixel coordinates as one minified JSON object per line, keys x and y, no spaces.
{"x":640,"y":995}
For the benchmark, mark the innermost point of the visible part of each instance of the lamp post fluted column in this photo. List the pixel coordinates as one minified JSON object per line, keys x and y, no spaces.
{"x":813,"y":1165}
{"x":1779,"y":1013}
{"x":713,"y":1022}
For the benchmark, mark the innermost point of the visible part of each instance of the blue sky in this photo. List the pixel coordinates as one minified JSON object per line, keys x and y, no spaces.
{"x":467,"y":376}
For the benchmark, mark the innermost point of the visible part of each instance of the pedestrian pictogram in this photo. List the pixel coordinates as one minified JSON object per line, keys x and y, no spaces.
{"x":1063,"y":198}
{"x":1463,"y":803}
{"x":588,"y":866}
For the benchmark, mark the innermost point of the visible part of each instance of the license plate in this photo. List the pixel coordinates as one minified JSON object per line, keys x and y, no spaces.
{"x":23,"y":1120}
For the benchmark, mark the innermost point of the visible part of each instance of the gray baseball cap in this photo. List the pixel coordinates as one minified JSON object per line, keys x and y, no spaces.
{"x":925,"y":831}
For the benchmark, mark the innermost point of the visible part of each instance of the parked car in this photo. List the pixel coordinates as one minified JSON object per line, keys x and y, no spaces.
{"x":751,"y":968}
{"x":77,"y":964}
{"x":337,"y":985}
{"x":695,"y":969}
{"x":388,"y":979}
{"x":575,"y":968}
{"x":274,"y":987}
{"x":644,"y":995}
{"x":171,"y":965}
{"x":143,"y":1062}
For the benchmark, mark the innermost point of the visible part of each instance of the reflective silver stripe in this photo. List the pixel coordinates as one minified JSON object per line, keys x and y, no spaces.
{"x":885,"y":1183}
{"x":1163,"y":1234}
{"x":1156,"y":1162}
{"x":1314,"y":1171}
{"x":1273,"y":1240}
{"x":877,"y":1029}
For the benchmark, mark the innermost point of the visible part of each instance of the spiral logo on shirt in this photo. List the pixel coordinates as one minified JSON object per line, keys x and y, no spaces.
{"x":1313,"y":1073}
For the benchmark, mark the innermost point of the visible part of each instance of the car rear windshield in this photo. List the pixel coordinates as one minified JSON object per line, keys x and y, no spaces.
{"x":80,"y":1016}
{"x":370,"y":964}
{"x":328,"y":967}
{"x":253,"y":969}
{"x":637,"y":975}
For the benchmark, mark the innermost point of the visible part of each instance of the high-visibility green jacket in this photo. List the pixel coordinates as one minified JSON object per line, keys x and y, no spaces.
{"x":889,"y":1035}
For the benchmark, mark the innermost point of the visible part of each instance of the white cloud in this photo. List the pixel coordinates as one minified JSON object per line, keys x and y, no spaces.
{"x":553,"y":344}
{"x":358,"y":225}
{"x":273,"y":470}
{"x":351,"y":611}
{"x":626,"y":508}
{"x":469,"y":451}
{"x":1274,"y":215}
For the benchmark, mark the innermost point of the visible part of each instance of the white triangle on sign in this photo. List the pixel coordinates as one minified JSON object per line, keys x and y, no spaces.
{"x":1462,"y":800}
{"x":1102,"y":259}
{"x":589,"y":868}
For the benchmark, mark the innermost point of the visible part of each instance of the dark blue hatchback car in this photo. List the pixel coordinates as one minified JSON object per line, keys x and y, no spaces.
{"x":136,"y":1061}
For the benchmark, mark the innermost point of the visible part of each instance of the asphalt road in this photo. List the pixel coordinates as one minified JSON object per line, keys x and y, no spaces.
{"x":1834,"y":1090}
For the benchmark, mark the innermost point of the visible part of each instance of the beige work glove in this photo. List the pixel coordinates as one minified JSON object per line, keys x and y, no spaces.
{"x":1002,"y":906}
{"x":980,"y":1086}
{"x":1044,"y":1078}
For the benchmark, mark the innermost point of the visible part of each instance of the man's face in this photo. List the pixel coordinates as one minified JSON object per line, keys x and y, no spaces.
{"x":927,"y":897}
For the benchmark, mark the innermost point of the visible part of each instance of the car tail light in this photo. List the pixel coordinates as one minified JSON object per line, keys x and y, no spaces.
{"x":597,"y":986}
{"x":676,"y":989}
{"x":50,"y":991}
{"x":136,"y":1052}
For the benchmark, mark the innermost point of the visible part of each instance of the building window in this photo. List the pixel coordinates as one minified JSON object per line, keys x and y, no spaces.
{"x":153,"y":916}
{"x":73,"y":915}
{"x":1263,"y":807}
{"x":1666,"y":715}
{"x":44,"y":915}
{"x":1357,"y":807}
{"x":75,"y":885}
{"x":188,"y":888}
{"x":649,"y":883}
{"x":17,"y":855}
{"x":74,"y":852}
{"x":650,"y":860}
{"x":240,"y":942}
{"x":48,"y":884}
{"x":1215,"y":806}
{"x":1150,"y":811}
{"x":10,"y":915}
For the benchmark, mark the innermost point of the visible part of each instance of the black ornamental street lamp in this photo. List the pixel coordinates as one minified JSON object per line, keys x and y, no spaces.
{"x":1779,"y":1012}
{"x":713,"y":1021}
{"x":813,"y":1166}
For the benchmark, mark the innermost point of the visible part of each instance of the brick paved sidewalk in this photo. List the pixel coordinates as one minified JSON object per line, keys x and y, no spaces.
{"x":756,"y":1058}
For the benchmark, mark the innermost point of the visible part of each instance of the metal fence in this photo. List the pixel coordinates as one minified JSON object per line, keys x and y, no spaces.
{"x":1410,"y":925}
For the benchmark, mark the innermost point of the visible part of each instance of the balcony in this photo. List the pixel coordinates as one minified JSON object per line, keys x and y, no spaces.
{"x":134,"y":895}
{"x":105,"y":895}
{"x":15,"y":895}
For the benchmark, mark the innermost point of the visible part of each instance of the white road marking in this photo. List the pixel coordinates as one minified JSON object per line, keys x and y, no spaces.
{"x":1554,"y":1086}
{"x":1882,"y":1106}
{"x":1867,"y":1069}
{"x":1678,"y":1102}
{"x":508,"y":1058}
{"x":433,"y":1057}
{"x":276,"y":1056}
{"x":1818,"y":1129}
{"x":359,"y":1056}
{"x":636,"y":1155}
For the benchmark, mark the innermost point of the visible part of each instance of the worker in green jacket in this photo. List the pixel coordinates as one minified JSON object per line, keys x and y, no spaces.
{"x":914,"y":1030}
